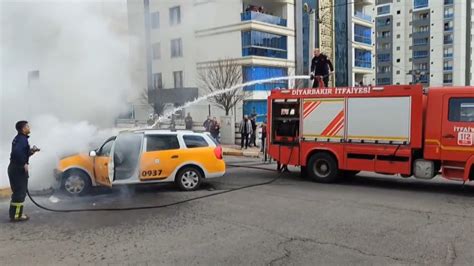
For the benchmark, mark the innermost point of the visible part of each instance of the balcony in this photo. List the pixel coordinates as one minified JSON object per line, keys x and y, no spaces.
{"x":447,"y":40}
{"x":420,"y":54}
{"x":448,"y":15}
{"x":363,"y":16}
{"x":448,"y":68}
{"x":252,"y":15}
{"x":447,"y":81}
{"x":363,"y":63}
{"x":363,"y":39}
{"x":423,"y":41}
{"x":448,"y":55}
{"x":448,"y":2}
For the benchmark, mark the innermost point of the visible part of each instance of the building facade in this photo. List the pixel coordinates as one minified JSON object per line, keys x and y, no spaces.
{"x":187,"y":35}
{"x":424,"y":42}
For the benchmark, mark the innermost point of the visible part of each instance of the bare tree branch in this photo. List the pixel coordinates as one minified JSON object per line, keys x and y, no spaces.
{"x":221,"y":75}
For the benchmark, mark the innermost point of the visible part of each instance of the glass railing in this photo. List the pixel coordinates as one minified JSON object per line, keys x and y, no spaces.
{"x":420,"y":41}
{"x":363,"y":39}
{"x":447,"y":80}
{"x":363,"y":63}
{"x":363,"y":16}
{"x":448,"y":2}
{"x":420,"y":3}
{"x":266,"y":52}
{"x":447,"y":68}
{"x":420,"y":55}
{"x":448,"y":55}
{"x":448,"y":16}
{"x":252,"y":15}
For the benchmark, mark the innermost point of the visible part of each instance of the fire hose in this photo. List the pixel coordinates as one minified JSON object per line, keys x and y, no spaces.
{"x":169,"y":204}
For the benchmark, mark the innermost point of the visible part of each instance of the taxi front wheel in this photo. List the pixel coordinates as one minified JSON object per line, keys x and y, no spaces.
{"x":189,"y":178}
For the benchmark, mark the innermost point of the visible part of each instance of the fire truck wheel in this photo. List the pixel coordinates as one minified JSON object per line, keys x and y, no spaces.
{"x":322,"y":168}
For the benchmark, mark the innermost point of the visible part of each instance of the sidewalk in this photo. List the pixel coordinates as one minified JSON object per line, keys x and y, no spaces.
{"x":235,"y":150}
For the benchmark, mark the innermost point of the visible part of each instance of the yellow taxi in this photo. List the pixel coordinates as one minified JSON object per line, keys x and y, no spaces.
{"x":144,"y":156}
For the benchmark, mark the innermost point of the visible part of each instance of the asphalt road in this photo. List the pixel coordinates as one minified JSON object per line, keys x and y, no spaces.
{"x":292,"y":221}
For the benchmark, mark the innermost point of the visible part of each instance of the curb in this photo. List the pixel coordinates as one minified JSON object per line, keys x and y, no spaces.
{"x":5,"y":193}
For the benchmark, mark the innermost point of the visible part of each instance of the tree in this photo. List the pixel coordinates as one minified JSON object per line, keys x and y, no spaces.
{"x":221,"y":75}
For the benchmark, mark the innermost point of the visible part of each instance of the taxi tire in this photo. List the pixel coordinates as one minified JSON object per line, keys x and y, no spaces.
{"x":80,"y":175}
{"x":196,"y":172}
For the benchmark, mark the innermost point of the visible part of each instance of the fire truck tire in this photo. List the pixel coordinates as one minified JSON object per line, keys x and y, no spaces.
{"x":322,"y":168}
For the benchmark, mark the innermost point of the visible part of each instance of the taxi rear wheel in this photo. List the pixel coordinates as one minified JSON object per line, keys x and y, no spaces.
{"x":76,"y":183}
{"x":189,"y":178}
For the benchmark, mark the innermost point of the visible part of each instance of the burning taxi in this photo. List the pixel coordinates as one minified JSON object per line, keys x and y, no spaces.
{"x":144,"y":156}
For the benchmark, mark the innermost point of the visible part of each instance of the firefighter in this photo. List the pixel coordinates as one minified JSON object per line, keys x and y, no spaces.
{"x":18,"y":170}
{"x":321,"y":66}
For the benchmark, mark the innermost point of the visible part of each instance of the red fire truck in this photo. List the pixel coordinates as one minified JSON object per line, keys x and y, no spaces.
{"x":395,"y":130}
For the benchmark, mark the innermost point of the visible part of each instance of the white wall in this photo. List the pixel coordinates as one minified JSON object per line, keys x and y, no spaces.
{"x":404,"y":30}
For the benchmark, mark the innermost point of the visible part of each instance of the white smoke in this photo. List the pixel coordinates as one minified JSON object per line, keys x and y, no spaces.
{"x":80,"y":49}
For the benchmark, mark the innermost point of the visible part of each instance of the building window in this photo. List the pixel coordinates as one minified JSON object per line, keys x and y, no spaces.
{"x":383,"y":22}
{"x":449,"y":25}
{"x":178,"y":79}
{"x":448,"y":65}
{"x":176,"y":48}
{"x":383,"y":81}
{"x":448,"y":38}
{"x":448,"y":78}
{"x":157,"y":81}
{"x":385,"y":46}
{"x":398,"y":12}
{"x":398,"y":60}
{"x":421,"y":41}
{"x":448,"y":52}
{"x":264,"y":44}
{"x":155,"y":20}
{"x":156,"y":50}
{"x":175,"y":15}
{"x":420,"y":54}
{"x":398,"y":48}
{"x":383,"y":10}
{"x":398,"y":36}
{"x":362,"y":34}
{"x":420,"y":3}
{"x":384,"y":34}
{"x":383,"y":57}
{"x":448,"y":12}
{"x":384,"y":69}
{"x":250,"y":73}
{"x":448,"y":2}
{"x":422,"y":66}
{"x":398,"y":24}
{"x":363,"y":58}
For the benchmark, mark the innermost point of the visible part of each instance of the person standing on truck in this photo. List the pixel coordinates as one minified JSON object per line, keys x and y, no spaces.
{"x":321,"y":66}
{"x":245,"y":131}
{"x":188,"y":121}
{"x":18,"y":170}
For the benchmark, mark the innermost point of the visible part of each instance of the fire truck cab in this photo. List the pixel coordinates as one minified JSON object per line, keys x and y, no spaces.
{"x":395,"y":130}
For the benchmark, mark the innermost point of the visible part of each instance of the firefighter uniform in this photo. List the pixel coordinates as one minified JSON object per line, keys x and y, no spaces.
{"x":18,"y":175}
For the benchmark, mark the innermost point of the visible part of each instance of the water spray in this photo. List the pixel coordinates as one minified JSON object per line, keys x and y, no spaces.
{"x":219,"y":92}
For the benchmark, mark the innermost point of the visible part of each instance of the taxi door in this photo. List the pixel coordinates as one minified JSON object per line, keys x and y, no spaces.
{"x":457,"y":136}
{"x":101,"y":162}
{"x":125,"y":157}
{"x":160,"y":158}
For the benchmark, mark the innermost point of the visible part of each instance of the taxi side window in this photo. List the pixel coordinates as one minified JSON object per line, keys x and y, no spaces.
{"x":106,"y":148}
{"x":461,"y":110}
{"x":195,"y":141}
{"x":162,"y":142}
